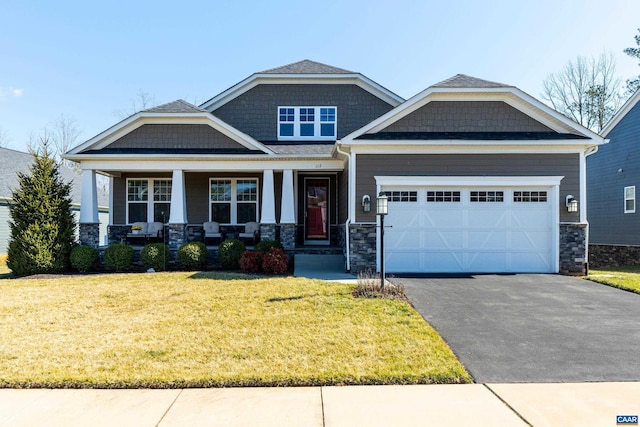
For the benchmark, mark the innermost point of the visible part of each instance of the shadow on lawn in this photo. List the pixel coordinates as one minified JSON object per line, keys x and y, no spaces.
{"x":224,"y":275}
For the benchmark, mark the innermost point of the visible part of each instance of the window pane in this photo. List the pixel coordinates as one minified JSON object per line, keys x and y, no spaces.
{"x":137,"y":212}
{"x":220,"y":190}
{"x":306,"y":129}
{"x":327,"y":129}
{"x":286,"y":129}
{"x":246,"y":212}
{"x":137,"y":190}
{"x":221,"y":212}
{"x":161,"y":212}
{"x":247,"y":190}
{"x":162,"y":190}
{"x":327,"y":114}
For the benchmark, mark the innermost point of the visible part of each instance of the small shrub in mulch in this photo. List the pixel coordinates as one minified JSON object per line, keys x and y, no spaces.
{"x":263,"y":246}
{"x":275,"y":261}
{"x":118,"y":257}
{"x":193,"y":256}
{"x":369,"y":286}
{"x":84,"y":258}
{"x":251,"y":262}
{"x":229,"y":253}
{"x":156,"y":256}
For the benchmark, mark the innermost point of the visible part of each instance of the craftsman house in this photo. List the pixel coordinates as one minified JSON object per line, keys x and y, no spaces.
{"x":480,"y":176}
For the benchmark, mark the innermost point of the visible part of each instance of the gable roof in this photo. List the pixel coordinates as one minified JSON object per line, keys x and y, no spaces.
{"x":303,"y":72}
{"x":464,"y":88}
{"x":178,"y":106}
{"x":307,"y":66}
{"x":12,"y":162}
{"x":176,"y":112}
{"x":622,"y":112}
{"x":463,"y":80}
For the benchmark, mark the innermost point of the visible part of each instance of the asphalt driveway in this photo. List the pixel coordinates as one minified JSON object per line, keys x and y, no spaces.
{"x":534,"y":327}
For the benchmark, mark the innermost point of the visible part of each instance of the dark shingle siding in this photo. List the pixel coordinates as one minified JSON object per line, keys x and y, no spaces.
{"x":255,"y":112}
{"x":608,"y":224}
{"x":467,"y":116}
{"x":175,"y":136}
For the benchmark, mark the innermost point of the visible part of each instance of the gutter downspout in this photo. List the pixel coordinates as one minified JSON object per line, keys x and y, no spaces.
{"x":348,"y":221}
{"x":589,"y":151}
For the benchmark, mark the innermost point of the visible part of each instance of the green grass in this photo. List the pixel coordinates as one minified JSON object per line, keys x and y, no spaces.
{"x":194,"y":330}
{"x":627,"y":277}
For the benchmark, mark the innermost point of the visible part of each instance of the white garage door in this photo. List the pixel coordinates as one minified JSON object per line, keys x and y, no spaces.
{"x":470,"y":229}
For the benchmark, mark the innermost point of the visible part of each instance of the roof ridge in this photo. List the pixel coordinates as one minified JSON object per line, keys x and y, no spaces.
{"x":465,"y":80}
{"x":306,"y":66}
{"x":177,"y":106}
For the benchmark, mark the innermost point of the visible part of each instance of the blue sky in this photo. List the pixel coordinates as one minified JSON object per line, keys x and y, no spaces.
{"x":89,"y":60}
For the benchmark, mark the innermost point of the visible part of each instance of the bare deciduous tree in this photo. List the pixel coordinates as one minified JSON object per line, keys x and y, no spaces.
{"x":634,"y":52}
{"x":587,"y":90}
{"x":142,"y":101}
{"x":64,"y":133}
{"x":5,"y":139}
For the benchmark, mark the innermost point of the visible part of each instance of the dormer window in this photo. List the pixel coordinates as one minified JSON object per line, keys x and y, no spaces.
{"x":307,"y":123}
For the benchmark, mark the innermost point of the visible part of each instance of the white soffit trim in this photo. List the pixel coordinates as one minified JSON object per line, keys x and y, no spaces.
{"x":210,"y":163}
{"x":257,"y":79}
{"x":132,"y":123}
{"x":476,"y":147}
{"x":622,"y":112}
{"x":510,"y":95}
{"x":469,"y":181}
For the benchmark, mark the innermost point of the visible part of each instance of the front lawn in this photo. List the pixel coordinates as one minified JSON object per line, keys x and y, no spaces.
{"x":627,"y":277}
{"x":194,"y":329}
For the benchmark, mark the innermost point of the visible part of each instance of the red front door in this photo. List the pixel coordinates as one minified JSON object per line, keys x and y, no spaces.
{"x":317,"y":209}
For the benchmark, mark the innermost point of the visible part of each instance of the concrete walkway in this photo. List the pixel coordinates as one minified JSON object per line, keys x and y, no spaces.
{"x":324,"y":267}
{"x":417,"y":405}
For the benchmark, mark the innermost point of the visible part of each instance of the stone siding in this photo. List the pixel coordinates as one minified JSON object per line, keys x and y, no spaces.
{"x":177,"y":235}
{"x":613,"y":255}
{"x":573,"y":249}
{"x":288,"y":236}
{"x":117,"y":233}
{"x":90,"y":234}
{"x":267,"y":232}
{"x":362,"y":247}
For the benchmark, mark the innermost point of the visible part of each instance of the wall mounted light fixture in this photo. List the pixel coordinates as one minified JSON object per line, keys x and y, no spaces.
{"x":571,"y":203}
{"x":366,"y":203}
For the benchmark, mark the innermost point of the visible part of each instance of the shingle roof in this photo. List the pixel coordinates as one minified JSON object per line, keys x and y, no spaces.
{"x":12,"y":161}
{"x":179,"y":106}
{"x":464,"y":81}
{"x":307,"y":67}
{"x":302,"y":148}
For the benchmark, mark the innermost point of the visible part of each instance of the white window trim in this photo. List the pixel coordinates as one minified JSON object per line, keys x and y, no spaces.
{"x":234,"y":198}
{"x":632,"y":187}
{"x":150,"y":202}
{"x":317,"y":124}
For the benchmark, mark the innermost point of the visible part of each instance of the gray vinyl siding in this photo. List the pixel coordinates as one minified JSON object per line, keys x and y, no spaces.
{"x":608,"y":224}
{"x":175,"y":136}
{"x":255,"y":111}
{"x":370,"y":165}
{"x":467,"y":116}
{"x":5,"y":232}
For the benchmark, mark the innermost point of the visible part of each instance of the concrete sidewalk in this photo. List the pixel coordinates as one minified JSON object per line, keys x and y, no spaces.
{"x":415,"y":405}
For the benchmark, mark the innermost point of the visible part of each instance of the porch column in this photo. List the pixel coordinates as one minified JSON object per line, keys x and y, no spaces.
{"x":287,"y":212}
{"x":268,"y":199}
{"x":88,"y":221}
{"x":268,"y":216}
{"x":178,"y":213}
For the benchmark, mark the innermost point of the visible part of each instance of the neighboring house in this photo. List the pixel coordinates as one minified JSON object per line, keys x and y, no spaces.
{"x":613,"y":180}
{"x":477,"y":173}
{"x":12,"y":162}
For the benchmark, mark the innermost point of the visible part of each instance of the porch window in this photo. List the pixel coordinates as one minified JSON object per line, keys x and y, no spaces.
{"x":234,"y":200}
{"x":307,"y":123}
{"x":139,"y":204}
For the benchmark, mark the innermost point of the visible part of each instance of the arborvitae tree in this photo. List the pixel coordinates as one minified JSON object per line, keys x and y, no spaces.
{"x":42,"y":225}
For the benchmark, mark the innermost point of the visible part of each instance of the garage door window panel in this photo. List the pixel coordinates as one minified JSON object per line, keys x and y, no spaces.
{"x":487,"y":196}
{"x":443,"y":196}
{"x":530,"y":196}
{"x":402,"y":196}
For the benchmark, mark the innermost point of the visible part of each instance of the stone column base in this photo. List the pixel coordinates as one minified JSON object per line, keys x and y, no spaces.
{"x":177,"y":235}
{"x":90,"y":234}
{"x":362,"y":247}
{"x":288,"y":236}
{"x":267,"y":232}
{"x":573,"y":249}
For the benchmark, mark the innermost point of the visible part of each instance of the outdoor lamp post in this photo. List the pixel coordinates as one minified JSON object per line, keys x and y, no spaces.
{"x":382,"y":208}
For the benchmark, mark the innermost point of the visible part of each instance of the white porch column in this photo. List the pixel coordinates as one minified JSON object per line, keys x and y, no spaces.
{"x":89,"y":201}
{"x":287,"y":211}
{"x":178,"y":213}
{"x":268,"y":198}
